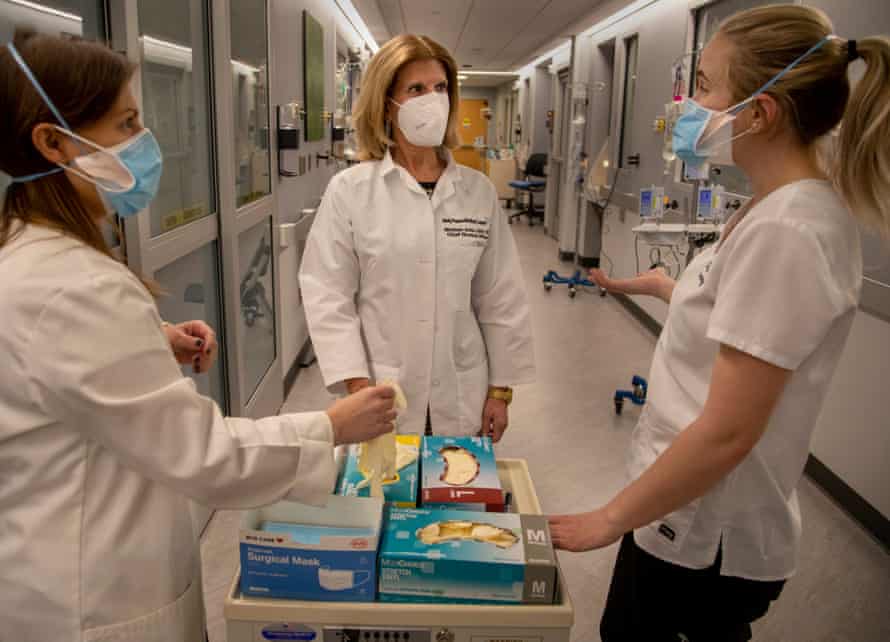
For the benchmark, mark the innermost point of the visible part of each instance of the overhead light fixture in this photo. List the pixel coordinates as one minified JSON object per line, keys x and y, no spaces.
{"x":149,"y":40}
{"x":354,"y":18}
{"x":166,"y":51}
{"x":244,"y":68}
{"x":488,"y":73}
{"x":462,"y":76}
{"x":48,"y":10}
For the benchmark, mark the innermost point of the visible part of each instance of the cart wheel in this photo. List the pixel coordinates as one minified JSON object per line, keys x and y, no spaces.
{"x":619,"y":406}
{"x":603,"y":293}
{"x":548,"y":286}
{"x":572,"y":293}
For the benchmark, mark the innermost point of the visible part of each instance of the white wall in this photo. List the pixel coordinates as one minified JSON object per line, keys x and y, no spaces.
{"x":853,"y":434}
{"x":294,"y":194}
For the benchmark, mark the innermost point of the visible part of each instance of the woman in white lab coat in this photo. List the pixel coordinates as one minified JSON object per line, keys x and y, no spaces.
{"x":756,"y":325}
{"x":103,"y":442}
{"x":410,"y":272}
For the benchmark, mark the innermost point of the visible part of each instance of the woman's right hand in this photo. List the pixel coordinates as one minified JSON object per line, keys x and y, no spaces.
{"x":354,"y":385}
{"x":363,"y":415}
{"x":652,"y":283}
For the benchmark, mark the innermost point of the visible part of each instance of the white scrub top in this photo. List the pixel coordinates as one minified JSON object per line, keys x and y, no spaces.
{"x":784,"y":287}
{"x":426,"y":291}
{"x":103,"y":445}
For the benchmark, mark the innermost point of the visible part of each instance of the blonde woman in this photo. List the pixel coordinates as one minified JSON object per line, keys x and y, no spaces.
{"x":410,"y":271}
{"x":711,"y":524}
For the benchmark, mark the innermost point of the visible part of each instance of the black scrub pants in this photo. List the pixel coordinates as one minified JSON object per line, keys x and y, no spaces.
{"x":651,"y":600}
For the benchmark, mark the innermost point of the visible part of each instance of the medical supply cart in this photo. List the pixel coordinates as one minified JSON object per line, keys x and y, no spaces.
{"x":262,"y":620}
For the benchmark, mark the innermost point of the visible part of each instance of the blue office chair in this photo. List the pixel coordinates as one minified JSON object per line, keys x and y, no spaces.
{"x":534,"y":167}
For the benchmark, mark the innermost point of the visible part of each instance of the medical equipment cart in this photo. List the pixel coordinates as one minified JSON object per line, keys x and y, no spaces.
{"x":262,"y":620}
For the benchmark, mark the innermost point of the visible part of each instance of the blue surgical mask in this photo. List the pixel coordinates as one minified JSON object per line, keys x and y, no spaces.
{"x":126,"y":175}
{"x":705,"y":135}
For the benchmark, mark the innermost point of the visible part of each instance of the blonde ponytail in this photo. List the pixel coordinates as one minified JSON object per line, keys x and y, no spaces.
{"x":862,"y":166}
{"x":817,"y":98}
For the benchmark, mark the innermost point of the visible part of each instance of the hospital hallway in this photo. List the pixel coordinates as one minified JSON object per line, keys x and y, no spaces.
{"x":566,"y":428}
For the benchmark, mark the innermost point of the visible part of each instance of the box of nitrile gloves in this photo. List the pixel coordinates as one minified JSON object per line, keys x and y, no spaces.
{"x":401,"y":490}
{"x":460,"y":472}
{"x":466,"y":557}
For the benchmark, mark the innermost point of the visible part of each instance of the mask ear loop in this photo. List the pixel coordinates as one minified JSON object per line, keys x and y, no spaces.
{"x":52,"y":107}
{"x":72,"y":167}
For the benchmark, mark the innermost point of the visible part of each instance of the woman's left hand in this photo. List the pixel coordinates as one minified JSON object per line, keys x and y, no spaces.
{"x":583,"y":531}
{"x":193,"y":342}
{"x":494,"y":419}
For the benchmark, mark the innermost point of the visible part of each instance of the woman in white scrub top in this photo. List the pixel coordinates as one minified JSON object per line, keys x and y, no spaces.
{"x":410,"y":272}
{"x":104,"y":443}
{"x":756,"y":325}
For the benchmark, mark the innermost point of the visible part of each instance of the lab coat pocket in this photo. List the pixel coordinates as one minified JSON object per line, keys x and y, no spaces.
{"x":458,"y":289}
{"x":182,"y":619}
{"x":460,"y":261}
{"x":468,"y":346}
{"x":472,"y":390}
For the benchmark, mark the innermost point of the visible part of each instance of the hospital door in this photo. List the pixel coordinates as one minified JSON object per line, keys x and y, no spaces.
{"x":472,"y":131}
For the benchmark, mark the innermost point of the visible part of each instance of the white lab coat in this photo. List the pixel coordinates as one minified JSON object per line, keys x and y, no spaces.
{"x":103,"y":446}
{"x":428,"y":292}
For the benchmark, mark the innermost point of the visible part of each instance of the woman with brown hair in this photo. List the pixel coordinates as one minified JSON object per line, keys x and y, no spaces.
{"x":410,"y":271}
{"x":756,"y":325}
{"x":103,"y":441}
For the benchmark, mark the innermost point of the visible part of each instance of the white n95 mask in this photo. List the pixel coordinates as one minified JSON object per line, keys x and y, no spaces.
{"x":423,"y":120}
{"x":331,"y":580}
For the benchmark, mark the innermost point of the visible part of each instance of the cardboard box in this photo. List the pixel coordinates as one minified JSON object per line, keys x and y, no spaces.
{"x":402,"y":491}
{"x":312,"y":553}
{"x":460,"y":470}
{"x":466,"y":557}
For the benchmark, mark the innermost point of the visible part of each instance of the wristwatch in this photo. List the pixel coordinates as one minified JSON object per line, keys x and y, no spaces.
{"x":504,"y":394}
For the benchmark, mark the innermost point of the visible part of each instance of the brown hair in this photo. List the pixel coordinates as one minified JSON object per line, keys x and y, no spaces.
{"x":369,"y":115}
{"x":83,"y":79}
{"x":817,"y":98}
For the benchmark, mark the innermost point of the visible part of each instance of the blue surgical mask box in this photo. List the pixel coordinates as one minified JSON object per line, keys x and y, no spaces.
{"x":460,"y":471}
{"x":299,"y":552}
{"x":465,"y":557}
{"x":402,"y":490}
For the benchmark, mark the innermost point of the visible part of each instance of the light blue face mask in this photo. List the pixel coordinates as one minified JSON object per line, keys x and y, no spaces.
{"x":704,"y":135}
{"x":126,"y":175}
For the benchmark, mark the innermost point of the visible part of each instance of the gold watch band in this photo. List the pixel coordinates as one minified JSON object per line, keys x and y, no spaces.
{"x":503,"y":394}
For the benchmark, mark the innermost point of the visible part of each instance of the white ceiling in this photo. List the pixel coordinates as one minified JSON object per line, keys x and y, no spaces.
{"x":489,"y":35}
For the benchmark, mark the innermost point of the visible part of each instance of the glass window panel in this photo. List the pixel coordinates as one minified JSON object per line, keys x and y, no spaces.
{"x":76,"y":18}
{"x":176,"y":105}
{"x":250,"y":86}
{"x":192,"y":293}
{"x":256,"y":318}
{"x":631,"y":47}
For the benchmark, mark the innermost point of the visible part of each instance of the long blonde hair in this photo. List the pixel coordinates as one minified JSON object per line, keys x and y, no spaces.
{"x":816,"y":95}
{"x":369,"y":115}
